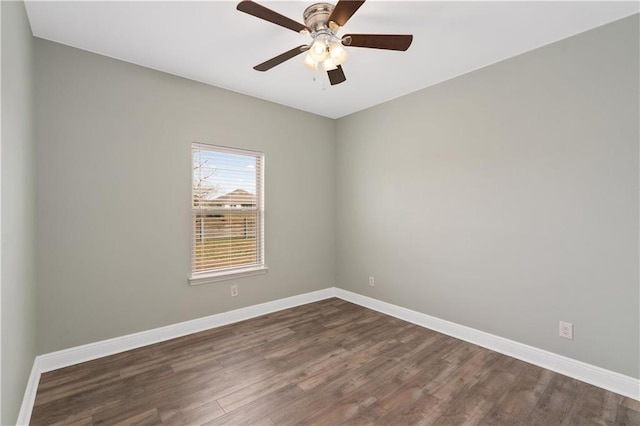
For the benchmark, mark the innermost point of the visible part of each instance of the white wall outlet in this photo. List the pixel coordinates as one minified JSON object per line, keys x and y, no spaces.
{"x":234,"y":290}
{"x":371,"y":282}
{"x":566,"y":330}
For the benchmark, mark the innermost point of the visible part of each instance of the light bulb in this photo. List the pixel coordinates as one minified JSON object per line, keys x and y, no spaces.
{"x":328,"y":65}
{"x":318,"y":50}
{"x":310,"y":63}
{"x":338,"y":53}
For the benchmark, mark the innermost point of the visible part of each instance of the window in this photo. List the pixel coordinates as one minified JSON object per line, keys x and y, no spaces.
{"x":227,"y":213}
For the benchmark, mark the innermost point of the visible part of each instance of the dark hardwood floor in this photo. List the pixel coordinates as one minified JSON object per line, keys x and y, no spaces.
{"x":326,"y":363}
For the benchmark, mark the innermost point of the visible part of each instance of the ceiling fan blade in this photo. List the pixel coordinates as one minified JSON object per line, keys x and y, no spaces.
{"x":259,"y":11}
{"x":344,"y":10}
{"x":267,"y":65}
{"x":336,"y":76}
{"x":379,"y":41}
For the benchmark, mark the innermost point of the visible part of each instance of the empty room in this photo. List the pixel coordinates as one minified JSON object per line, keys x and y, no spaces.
{"x":295,"y":213}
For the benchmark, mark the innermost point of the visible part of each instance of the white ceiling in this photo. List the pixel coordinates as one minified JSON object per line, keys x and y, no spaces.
{"x":213,"y":43}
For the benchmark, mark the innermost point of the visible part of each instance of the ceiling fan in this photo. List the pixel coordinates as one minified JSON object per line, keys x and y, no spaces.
{"x":322,"y":22}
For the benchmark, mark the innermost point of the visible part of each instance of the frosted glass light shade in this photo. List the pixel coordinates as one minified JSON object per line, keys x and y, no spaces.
{"x":328,"y":64}
{"x":310,"y":63}
{"x":337,"y":53}
{"x":318,"y":50}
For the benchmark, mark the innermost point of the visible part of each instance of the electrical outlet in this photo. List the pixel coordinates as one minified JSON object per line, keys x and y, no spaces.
{"x":234,"y":290}
{"x":566,"y":330}
{"x":371,"y":282}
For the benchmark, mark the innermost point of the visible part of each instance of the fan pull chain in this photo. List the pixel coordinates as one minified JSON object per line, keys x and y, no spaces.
{"x":315,"y":79}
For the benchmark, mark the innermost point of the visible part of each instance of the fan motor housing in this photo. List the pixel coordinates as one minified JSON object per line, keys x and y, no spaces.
{"x":316,"y":16}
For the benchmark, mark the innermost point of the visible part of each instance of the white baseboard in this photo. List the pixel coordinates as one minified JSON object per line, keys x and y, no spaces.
{"x":597,"y":376}
{"x":29,"y":395}
{"x":78,"y":354}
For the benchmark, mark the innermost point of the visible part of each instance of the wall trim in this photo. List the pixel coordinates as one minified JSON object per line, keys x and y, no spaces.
{"x":24,"y":415}
{"x":597,"y":376}
{"x":88,"y":352}
{"x":588,"y":373}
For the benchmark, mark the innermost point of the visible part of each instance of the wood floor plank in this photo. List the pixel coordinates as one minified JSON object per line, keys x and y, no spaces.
{"x":148,"y":417}
{"x":517,"y":401}
{"x":477,"y":396}
{"x":329,"y":362}
{"x":556,"y":402}
{"x":256,"y":411}
{"x":381,"y":370}
{"x":197,"y":415}
{"x":254,"y":391}
{"x":627,"y":416}
{"x":172,"y":406}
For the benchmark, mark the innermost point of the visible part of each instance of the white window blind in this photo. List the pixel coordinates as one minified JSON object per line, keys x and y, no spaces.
{"x":227,"y":210}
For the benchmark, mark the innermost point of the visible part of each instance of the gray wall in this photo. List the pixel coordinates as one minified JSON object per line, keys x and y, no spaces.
{"x":114,"y":176}
{"x":506,"y":199}
{"x":18,"y":209}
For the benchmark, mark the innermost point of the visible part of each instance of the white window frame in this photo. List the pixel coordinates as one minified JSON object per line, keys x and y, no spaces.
{"x":205,"y":277}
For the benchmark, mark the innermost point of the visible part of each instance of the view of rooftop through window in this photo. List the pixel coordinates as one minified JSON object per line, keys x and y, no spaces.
{"x":217,"y":174}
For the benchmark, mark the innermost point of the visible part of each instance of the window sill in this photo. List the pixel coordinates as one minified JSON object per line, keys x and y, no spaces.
{"x":198,"y":279}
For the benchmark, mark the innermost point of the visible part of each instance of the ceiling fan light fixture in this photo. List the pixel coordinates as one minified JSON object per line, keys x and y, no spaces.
{"x":337,"y":53}
{"x":310,"y":63}
{"x":318,"y":50}
{"x":322,"y":22}
{"x":329,"y":65}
